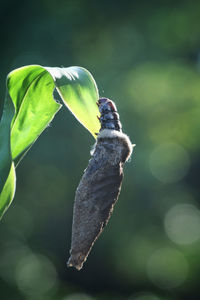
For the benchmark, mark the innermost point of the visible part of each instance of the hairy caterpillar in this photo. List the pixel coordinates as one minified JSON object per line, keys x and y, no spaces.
{"x":100,"y":185}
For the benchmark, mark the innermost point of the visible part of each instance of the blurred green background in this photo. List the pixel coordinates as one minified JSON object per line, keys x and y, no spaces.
{"x":145,"y":55}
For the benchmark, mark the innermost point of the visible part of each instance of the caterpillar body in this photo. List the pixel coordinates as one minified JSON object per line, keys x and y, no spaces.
{"x":109,"y":117}
{"x":100,"y":185}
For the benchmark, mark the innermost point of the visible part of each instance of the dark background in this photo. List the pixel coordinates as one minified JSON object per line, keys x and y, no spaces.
{"x":145,"y":55}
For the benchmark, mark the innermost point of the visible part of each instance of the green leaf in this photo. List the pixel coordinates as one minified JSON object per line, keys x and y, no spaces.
{"x":8,"y":191}
{"x":29,"y":108}
{"x":79,"y":92}
{"x":31,"y":89}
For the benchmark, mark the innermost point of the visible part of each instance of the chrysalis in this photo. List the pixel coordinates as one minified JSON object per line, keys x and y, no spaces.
{"x":100,"y":185}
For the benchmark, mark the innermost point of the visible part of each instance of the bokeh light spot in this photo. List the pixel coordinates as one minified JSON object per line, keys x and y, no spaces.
{"x":169,"y":162}
{"x":35,"y":275}
{"x":144,"y":296}
{"x":167,"y":268}
{"x":78,"y":296}
{"x":182,"y":224}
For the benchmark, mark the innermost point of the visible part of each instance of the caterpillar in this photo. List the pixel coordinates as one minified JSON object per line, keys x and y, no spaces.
{"x":100,"y":185}
{"x":109,"y":117}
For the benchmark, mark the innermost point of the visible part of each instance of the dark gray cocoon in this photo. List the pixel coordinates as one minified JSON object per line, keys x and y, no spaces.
{"x":97,"y":193}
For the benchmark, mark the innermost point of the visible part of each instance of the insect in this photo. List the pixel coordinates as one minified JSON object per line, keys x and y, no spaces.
{"x":109,"y":117}
{"x":100,"y":185}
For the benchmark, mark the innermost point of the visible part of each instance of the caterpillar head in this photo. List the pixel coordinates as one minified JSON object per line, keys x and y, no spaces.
{"x":106,"y":105}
